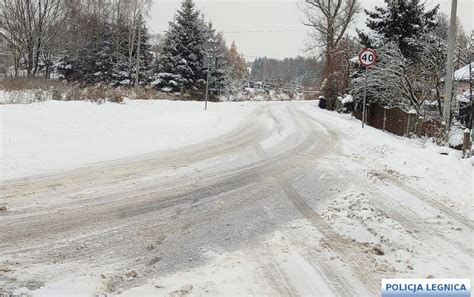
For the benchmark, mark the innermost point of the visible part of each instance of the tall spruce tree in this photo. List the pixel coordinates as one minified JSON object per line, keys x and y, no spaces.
{"x":94,"y":61}
{"x":220,"y":73}
{"x":181,"y":60}
{"x":237,"y":62}
{"x":402,"y":22}
{"x":103,"y":57}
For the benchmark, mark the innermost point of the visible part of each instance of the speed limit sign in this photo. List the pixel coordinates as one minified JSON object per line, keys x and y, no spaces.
{"x":367,"y":57}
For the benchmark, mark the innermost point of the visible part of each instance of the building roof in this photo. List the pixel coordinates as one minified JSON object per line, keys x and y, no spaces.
{"x":462,"y":74}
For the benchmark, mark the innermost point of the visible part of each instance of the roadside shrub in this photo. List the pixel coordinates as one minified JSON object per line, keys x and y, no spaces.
{"x":29,"y":90}
{"x":23,"y":97}
{"x":30,"y":83}
{"x":146,"y":94}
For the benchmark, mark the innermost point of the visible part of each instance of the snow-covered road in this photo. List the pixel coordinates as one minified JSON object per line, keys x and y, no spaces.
{"x":292,"y":201}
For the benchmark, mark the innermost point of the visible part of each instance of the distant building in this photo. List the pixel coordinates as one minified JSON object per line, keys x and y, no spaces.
{"x":463,"y":76}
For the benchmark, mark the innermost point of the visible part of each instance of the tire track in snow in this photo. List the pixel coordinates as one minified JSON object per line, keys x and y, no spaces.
{"x":409,"y":219}
{"x":406,"y":217}
{"x":66,"y":235}
{"x":342,"y":246}
{"x":428,"y":200}
{"x":273,"y":273}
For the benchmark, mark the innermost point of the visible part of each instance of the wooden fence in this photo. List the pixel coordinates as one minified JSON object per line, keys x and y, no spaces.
{"x":398,"y":121}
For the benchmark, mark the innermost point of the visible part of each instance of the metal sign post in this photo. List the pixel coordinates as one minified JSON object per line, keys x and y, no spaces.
{"x":364,"y":111}
{"x":367,"y":58}
{"x":207,"y":88}
{"x":209,"y":62}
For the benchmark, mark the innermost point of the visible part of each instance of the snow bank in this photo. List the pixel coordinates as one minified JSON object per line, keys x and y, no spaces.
{"x":50,"y":136}
{"x":438,"y":172}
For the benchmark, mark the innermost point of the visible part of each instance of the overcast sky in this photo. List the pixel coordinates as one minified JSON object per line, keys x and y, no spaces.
{"x":284,"y":34}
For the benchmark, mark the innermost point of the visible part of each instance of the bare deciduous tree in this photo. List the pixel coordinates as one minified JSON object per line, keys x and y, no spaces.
{"x":329,"y":20}
{"x":31,"y":25}
{"x":132,"y":13}
{"x":5,"y":56}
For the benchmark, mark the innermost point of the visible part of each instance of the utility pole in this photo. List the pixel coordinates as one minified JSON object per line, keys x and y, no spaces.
{"x":137,"y":71}
{"x":450,"y":66}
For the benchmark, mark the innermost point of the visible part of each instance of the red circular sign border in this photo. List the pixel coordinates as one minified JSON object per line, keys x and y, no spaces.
{"x":367,"y":50}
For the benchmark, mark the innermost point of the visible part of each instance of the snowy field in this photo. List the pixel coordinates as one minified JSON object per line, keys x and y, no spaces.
{"x":49,"y":136}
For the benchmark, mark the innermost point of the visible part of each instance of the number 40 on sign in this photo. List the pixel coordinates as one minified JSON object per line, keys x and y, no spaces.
{"x":367,"y":57}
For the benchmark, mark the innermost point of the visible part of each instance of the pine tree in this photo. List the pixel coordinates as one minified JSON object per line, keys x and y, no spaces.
{"x":102,"y":60}
{"x":103,"y":57}
{"x":181,"y":60}
{"x":94,"y":62}
{"x":402,"y":22}
{"x":146,"y":56}
{"x":220,"y":73}
{"x":237,"y":62}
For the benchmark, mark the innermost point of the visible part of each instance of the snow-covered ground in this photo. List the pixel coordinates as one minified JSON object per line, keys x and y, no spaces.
{"x":372,"y":206}
{"x":402,"y":240}
{"x":49,"y":136}
{"x":438,"y":172}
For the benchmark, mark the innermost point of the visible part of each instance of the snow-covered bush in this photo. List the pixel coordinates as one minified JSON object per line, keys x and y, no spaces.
{"x":168,"y":82}
{"x":261,"y":94}
{"x":346,"y":103}
{"x":24,"y":97}
{"x":456,"y":136}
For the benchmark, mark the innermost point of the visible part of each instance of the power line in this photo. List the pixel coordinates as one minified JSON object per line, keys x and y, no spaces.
{"x":263,"y":31}
{"x":248,"y":31}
